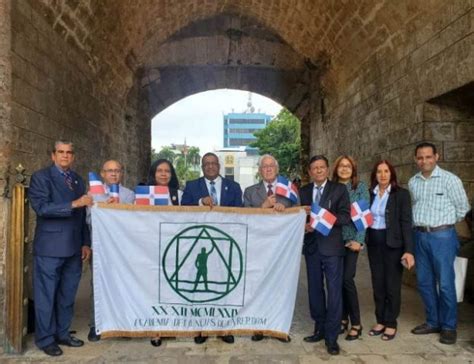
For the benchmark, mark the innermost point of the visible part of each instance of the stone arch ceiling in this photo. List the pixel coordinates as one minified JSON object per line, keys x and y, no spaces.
{"x":347,"y":32}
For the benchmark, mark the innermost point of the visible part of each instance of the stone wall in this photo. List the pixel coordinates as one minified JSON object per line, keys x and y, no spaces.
{"x":385,"y":110}
{"x":5,"y":86}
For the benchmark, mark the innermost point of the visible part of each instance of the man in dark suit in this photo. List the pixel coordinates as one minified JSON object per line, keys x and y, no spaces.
{"x":325,"y":254}
{"x":212,"y":190}
{"x":61,"y":243}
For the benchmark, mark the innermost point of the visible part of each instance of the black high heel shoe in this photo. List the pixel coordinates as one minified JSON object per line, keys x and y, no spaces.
{"x":350,"y":337}
{"x":155,"y":342}
{"x":344,"y":326}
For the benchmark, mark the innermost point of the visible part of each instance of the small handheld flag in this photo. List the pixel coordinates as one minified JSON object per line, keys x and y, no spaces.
{"x":361,"y":215}
{"x":95,"y":185}
{"x":321,"y":219}
{"x":286,"y":189}
{"x":114,"y":191}
{"x":152,"y":195}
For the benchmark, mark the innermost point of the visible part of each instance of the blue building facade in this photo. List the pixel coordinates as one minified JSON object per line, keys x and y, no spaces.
{"x":239,"y":128}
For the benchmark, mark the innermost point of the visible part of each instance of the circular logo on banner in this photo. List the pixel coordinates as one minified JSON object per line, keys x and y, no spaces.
{"x":202,"y":264}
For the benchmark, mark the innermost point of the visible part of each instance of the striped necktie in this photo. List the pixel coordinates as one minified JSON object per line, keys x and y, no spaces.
{"x":68,"y":180}
{"x":213,"y":193}
{"x":270,"y":191}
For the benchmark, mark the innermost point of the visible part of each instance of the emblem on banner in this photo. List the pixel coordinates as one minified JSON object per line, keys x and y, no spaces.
{"x":203,"y":263}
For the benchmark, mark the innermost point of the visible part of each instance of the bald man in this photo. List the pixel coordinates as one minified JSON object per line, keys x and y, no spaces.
{"x":111,"y":173}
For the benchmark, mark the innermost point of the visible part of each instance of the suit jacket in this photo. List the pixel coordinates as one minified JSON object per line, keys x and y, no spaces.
{"x":255,"y":195}
{"x":231,"y":193}
{"x":61,"y":231}
{"x":398,"y":219}
{"x":335,"y":199}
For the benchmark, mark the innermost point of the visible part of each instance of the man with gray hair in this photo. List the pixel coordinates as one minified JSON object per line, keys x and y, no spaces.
{"x":61,"y":244}
{"x":112,"y":174}
{"x":263,"y":195}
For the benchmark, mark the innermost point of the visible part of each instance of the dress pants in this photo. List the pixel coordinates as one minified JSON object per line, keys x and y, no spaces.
{"x":387,"y":270}
{"x":55,"y":283}
{"x":326,"y":313}
{"x":350,"y":308}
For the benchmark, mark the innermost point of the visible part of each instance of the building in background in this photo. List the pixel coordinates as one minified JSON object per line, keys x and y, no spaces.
{"x":239,"y":161}
{"x":240,"y":127}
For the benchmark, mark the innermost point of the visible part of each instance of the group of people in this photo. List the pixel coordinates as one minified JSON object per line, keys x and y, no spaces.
{"x":408,"y":227}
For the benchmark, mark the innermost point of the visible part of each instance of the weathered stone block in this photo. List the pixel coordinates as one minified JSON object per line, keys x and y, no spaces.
{"x":439,"y":131}
{"x":459,"y":151}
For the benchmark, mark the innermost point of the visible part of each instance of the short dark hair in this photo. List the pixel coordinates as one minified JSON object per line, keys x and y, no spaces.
{"x":209,"y":154}
{"x":393,"y":175}
{"x":318,"y":158}
{"x":426,"y":145}
{"x":174,"y":184}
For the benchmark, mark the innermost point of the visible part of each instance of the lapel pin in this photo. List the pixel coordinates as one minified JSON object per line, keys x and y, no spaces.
{"x":225,"y":188}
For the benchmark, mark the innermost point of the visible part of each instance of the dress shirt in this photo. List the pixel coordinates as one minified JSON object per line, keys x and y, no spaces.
{"x":378,"y":208}
{"x":217,"y":186}
{"x":439,"y":199}
{"x":315,"y":190}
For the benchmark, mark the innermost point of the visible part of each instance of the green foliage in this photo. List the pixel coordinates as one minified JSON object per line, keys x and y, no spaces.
{"x":281,"y":138}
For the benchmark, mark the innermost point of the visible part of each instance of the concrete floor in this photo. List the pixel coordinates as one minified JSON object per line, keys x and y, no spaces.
{"x":405,"y":348}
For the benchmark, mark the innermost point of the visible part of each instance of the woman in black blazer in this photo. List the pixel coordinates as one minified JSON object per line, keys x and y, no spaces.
{"x":390,"y":246}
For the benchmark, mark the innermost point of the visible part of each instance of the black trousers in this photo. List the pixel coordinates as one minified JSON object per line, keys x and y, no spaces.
{"x":350,"y":300}
{"x":387,"y":271}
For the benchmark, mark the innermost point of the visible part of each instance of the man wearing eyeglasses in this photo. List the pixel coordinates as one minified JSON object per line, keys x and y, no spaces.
{"x":111,"y":173}
{"x":61,"y":244}
{"x":212,"y":190}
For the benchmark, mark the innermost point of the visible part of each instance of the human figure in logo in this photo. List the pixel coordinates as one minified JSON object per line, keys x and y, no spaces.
{"x":201,"y":265}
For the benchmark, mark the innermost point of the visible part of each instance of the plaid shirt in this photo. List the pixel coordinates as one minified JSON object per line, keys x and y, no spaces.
{"x":439,"y":199}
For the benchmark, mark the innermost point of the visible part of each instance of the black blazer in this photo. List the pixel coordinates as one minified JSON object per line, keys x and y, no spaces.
{"x":335,"y":199}
{"x":398,"y":219}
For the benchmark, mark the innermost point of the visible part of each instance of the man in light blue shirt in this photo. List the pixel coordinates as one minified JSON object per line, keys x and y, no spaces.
{"x":439,"y":201}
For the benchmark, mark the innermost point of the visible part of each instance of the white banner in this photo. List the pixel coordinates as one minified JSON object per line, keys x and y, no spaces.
{"x":180,"y":271}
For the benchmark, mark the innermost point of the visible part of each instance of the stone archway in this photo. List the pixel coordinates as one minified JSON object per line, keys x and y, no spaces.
{"x":359,"y":74}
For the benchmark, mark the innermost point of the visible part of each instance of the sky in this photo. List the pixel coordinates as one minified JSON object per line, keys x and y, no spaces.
{"x":198,"y":118}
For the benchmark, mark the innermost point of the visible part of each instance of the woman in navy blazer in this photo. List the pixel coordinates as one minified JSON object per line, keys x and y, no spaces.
{"x":389,"y":244}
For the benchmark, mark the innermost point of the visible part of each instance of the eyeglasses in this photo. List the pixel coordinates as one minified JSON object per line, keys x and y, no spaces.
{"x":268,"y":166}
{"x":117,"y":171}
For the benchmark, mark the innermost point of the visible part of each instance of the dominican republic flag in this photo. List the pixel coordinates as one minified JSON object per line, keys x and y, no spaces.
{"x":114,"y":191}
{"x":321,"y":219}
{"x":152,"y":195}
{"x":286,"y":189}
{"x":96,"y":186}
{"x":361,"y":215}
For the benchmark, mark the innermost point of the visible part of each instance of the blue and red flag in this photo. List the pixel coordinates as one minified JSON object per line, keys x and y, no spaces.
{"x":152,"y":195}
{"x":114,"y":191}
{"x":321,"y":219}
{"x":286,"y":189}
{"x":361,"y":215}
{"x":96,"y":187}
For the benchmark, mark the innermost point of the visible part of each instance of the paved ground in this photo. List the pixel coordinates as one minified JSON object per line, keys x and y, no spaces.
{"x":406,"y":348}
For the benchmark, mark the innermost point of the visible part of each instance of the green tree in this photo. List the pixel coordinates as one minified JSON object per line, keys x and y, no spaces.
{"x":281,"y":138}
{"x":164,"y":153}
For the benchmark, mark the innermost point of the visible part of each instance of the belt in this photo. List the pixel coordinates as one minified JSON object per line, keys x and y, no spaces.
{"x":430,"y":229}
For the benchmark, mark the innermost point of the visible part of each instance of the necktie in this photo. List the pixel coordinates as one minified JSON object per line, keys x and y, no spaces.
{"x":270,"y":191}
{"x":213,"y":193}
{"x":317,"y":196}
{"x":68,"y":180}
